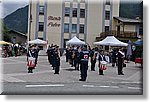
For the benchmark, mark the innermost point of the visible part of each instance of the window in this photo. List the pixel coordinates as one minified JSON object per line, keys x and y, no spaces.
{"x":41,"y":10}
{"x":67,"y":11}
{"x":66,"y":28}
{"x":107,"y":2}
{"x":74,"y":28}
{"x":82,"y":13}
{"x":107,"y":15}
{"x":41,"y":26}
{"x":81,"y":28}
{"x":106,"y":28}
{"x":74,"y":12}
{"x":141,"y":30}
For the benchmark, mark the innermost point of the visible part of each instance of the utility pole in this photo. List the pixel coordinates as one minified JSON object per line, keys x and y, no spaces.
{"x":30,"y":19}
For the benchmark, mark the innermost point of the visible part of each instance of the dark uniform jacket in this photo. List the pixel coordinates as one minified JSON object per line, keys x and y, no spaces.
{"x":33,"y":54}
{"x":84,"y":55}
{"x":56,"y":58}
{"x":101,"y":58}
{"x":120,"y":57}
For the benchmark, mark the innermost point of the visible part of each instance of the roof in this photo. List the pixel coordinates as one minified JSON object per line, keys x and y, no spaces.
{"x":128,"y":20}
{"x":18,"y":32}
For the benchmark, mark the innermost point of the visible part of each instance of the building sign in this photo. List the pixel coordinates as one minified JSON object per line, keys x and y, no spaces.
{"x":54,"y":21}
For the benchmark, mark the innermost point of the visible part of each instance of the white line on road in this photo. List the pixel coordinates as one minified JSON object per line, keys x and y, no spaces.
{"x":93,"y":86}
{"x":135,"y":88}
{"x":135,"y":76}
{"x":125,"y":82}
{"x":13,"y":63}
{"x":14,"y":60}
{"x":22,"y":74}
{"x":52,"y":85}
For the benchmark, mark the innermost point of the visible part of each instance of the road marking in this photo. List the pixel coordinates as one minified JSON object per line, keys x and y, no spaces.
{"x":14,"y":60}
{"x":126,"y":82}
{"x":22,"y":74}
{"x":51,"y":85}
{"x":88,"y":85}
{"x":135,"y":76}
{"x":130,"y":82}
{"x":135,"y":88}
{"x":11,"y":79}
{"x":94,"y":86}
{"x":13,"y":63}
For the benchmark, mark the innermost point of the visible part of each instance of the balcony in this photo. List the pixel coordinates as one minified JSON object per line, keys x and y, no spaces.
{"x":119,"y":34}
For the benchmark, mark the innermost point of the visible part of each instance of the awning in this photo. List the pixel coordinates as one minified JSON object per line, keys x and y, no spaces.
{"x":37,"y":41}
{"x":75,"y":41}
{"x":138,"y":43}
{"x":111,"y":41}
{"x":4,"y":42}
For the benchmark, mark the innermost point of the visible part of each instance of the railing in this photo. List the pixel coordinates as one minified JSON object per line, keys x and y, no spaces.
{"x":125,"y":34}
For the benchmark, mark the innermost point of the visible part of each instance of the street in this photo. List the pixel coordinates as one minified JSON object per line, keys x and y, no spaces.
{"x":16,"y":80}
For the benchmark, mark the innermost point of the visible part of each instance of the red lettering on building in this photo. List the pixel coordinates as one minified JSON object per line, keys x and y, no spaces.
{"x":54,"y":21}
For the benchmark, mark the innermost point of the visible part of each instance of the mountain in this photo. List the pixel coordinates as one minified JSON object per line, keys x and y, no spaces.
{"x":18,"y":20}
{"x":131,"y":10}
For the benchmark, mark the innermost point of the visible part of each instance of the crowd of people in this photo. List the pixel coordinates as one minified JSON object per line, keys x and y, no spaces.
{"x":12,"y":50}
{"x":78,"y":57}
{"x":54,"y":57}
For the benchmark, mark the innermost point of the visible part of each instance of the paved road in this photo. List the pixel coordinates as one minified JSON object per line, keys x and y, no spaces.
{"x":16,"y":80}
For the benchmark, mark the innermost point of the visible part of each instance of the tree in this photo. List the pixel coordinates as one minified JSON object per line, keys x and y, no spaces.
{"x":5,"y":35}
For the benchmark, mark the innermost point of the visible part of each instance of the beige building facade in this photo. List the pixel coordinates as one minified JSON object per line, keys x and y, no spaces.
{"x":60,"y":20}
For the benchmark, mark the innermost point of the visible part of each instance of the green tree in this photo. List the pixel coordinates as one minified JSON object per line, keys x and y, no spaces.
{"x":5,"y":35}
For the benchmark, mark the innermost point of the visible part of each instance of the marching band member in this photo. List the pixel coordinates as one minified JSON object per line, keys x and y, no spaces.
{"x":102,"y":62}
{"x":121,"y":57}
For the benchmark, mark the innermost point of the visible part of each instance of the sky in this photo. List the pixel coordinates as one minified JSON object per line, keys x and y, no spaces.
{"x":9,"y":6}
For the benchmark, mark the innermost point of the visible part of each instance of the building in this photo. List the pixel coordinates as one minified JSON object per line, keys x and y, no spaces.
{"x":125,"y":29}
{"x":17,"y":37}
{"x":60,"y":20}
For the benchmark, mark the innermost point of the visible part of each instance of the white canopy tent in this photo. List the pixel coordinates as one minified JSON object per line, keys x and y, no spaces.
{"x":37,"y":41}
{"x":75,"y":41}
{"x":40,"y":43}
{"x":111,"y":41}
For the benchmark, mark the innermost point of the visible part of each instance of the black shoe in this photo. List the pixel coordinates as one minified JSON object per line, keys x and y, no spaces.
{"x":56,"y":73}
{"x":93,"y":70}
{"x":120,"y":74}
{"x":29,"y":71}
{"x":81,"y":79}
